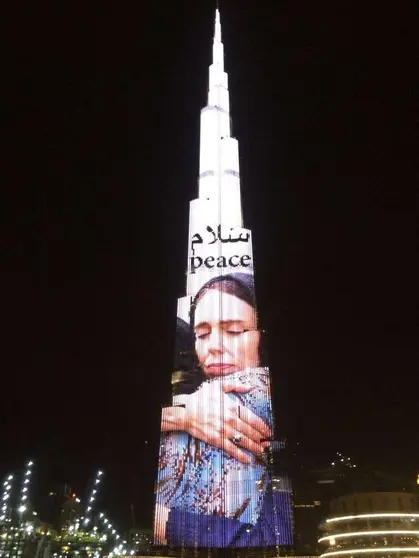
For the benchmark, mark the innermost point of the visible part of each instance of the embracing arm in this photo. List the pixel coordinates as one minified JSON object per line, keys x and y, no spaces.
{"x":173,"y":418}
{"x":214,"y":418}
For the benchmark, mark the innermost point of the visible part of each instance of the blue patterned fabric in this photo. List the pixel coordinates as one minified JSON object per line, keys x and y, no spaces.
{"x":200,"y":481}
{"x":274,"y":527}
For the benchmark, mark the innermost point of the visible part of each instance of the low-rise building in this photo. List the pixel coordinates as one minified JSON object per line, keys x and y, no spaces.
{"x":374,"y":524}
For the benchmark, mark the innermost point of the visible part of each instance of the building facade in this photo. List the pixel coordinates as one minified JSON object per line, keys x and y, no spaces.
{"x":140,"y":540}
{"x":375,"y":524}
{"x":317,"y":487}
{"x":215,"y":485}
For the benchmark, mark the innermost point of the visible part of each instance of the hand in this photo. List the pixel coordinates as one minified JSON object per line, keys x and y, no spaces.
{"x":214,"y":418}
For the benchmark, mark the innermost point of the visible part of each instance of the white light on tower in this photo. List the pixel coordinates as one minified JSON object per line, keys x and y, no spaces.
{"x":25,"y":486}
{"x":92,"y":497}
{"x":105,"y":523}
{"x":7,"y":487}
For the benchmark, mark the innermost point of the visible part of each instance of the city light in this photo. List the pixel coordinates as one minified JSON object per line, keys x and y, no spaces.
{"x":368,"y":533}
{"x":371,"y":516}
{"x":112,"y":531}
{"x":17,"y":529}
{"x":374,"y":550}
{"x":23,"y":503}
{"x":346,"y":461}
{"x":7,"y":487}
{"x":93,"y":494}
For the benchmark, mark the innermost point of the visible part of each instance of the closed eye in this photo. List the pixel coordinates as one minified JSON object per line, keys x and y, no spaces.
{"x":202,"y":335}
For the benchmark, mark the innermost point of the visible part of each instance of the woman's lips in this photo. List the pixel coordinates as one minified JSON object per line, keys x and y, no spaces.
{"x":219,"y":368}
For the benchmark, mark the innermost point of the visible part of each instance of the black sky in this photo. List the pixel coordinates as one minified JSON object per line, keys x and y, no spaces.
{"x":99,"y":161}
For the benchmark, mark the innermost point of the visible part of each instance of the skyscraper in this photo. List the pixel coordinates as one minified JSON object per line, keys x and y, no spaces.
{"x":215,"y":486}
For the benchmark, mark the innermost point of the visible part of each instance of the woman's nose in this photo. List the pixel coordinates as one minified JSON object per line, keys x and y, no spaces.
{"x":215,"y":341}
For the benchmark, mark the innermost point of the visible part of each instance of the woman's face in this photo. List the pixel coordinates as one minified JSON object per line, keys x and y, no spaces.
{"x":230,"y":345}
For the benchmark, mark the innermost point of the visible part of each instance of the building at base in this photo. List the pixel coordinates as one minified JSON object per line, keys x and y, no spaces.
{"x":372,"y":524}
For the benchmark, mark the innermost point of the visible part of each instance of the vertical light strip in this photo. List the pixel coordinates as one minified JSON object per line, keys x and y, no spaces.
{"x":92,"y":497}
{"x":24,"y":493}
{"x":5,"y":500}
{"x":121,"y":549}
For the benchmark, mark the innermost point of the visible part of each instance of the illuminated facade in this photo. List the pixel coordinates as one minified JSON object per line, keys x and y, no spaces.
{"x":316,"y":488}
{"x":215,"y":485}
{"x":378,"y":524}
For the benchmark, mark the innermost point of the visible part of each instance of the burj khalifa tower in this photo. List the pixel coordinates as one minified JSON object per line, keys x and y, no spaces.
{"x":215,"y":484}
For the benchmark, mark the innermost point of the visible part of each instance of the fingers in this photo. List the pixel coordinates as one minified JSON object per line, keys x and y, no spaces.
{"x":221,"y":438}
{"x":255,"y":422}
{"x":236,"y":386}
{"x":234,"y":451}
{"x":250,"y":445}
{"x":221,"y":419}
{"x":250,"y":436}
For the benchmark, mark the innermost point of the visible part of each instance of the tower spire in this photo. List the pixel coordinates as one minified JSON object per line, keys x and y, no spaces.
{"x":218,"y":85}
{"x":217,"y":33}
{"x":219,"y":174}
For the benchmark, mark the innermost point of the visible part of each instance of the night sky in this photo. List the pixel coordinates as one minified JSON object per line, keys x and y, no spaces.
{"x":99,"y":161}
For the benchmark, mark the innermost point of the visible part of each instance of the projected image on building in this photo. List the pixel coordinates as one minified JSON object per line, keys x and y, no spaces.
{"x":215,"y":486}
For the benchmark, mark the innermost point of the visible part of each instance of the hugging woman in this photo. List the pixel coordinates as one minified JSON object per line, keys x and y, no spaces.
{"x":213,"y":482}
